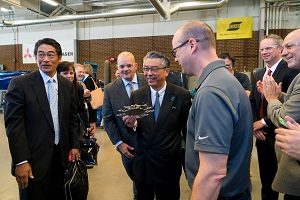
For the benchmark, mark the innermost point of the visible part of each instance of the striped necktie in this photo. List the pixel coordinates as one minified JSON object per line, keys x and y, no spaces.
{"x":53,"y":103}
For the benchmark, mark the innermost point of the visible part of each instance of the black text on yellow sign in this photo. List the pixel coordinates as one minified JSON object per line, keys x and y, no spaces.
{"x":234,"y":28}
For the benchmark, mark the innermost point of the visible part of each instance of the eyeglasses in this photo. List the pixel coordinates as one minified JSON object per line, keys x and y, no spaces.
{"x":173,"y":51}
{"x":268,"y":48}
{"x":290,"y":45}
{"x":49,"y":55}
{"x":153,"y":69}
{"x":127,"y":65}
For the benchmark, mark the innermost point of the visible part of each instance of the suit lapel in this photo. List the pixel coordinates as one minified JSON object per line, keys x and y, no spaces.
{"x":277,"y":71}
{"x":41,"y":95}
{"x":61,"y":94}
{"x":146,"y":98}
{"x":166,"y":106}
{"x":141,"y":81}
{"x":122,"y":91}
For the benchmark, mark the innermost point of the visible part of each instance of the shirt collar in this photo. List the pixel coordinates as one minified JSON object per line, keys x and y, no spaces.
{"x":160,"y":92}
{"x":273,"y":68}
{"x":134,"y":80}
{"x":46,"y":77}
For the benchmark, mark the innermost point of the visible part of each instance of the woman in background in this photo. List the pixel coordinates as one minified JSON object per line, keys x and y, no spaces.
{"x":90,"y":85}
{"x":66,"y":69}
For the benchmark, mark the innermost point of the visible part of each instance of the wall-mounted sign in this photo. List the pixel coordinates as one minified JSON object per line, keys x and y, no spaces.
{"x":67,"y":46}
{"x":234,"y":28}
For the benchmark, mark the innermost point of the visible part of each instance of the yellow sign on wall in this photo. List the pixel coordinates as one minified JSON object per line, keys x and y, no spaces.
{"x":234,"y":28}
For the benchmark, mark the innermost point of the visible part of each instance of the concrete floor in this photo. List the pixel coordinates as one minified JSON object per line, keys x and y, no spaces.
{"x":108,"y":180}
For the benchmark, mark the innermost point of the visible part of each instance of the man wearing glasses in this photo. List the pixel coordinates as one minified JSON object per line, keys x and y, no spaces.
{"x":219,"y":137}
{"x":157,"y":164}
{"x":282,"y":104}
{"x":117,"y":96}
{"x":263,"y":128}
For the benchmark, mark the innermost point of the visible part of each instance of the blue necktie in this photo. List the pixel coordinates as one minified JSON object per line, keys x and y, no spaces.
{"x":53,"y":103}
{"x":156,"y":106}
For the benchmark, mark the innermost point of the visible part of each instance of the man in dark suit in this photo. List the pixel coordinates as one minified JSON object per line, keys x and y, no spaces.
{"x":270,"y":48}
{"x":157,"y":164}
{"x":116,"y":97}
{"x":40,"y":137}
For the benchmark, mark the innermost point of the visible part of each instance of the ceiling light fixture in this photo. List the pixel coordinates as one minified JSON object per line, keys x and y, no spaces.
{"x":12,"y":2}
{"x":53,"y":3}
{"x":5,"y":10}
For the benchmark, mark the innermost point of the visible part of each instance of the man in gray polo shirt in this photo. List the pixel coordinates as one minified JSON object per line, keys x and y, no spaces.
{"x":219,"y":137}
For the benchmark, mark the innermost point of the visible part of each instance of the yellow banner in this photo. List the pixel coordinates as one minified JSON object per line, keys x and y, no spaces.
{"x":234,"y":28}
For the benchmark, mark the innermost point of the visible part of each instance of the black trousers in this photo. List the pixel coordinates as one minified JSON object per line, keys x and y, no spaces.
{"x":164,"y":191}
{"x":49,"y":187}
{"x":267,"y":163}
{"x":290,"y":197}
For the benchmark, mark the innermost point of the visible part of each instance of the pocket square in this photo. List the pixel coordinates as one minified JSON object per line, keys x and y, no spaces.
{"x":173,"y":108}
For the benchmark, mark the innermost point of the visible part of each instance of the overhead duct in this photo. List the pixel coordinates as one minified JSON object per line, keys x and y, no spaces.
{"x":159,"y":7}
{"x":187,"y":6}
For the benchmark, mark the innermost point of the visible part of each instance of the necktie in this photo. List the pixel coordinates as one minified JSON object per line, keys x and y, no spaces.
{"x":53,"y":103}
{"x":261,"y":109}
{"x":131,"y":87}
{"x":156,"y":106}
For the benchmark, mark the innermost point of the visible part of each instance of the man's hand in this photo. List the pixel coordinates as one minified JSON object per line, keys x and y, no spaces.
{"x":260,"y":87}
{"x":288,"y":140}
{"x":272,"y":90}
{"x":258,"y":131}
{"x":130,"y":121}
{"x":260,"y":134}
{"x":124,"y":148}
{"x":75,"y":155}
{"x":22,"y":172}
{"x":258,"y":125}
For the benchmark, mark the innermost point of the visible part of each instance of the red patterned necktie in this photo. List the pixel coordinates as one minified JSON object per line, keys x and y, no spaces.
{"x":261,"y":109}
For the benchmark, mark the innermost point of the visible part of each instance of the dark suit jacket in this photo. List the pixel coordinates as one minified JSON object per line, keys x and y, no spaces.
{"x":115,"y":97}
{"x":157,"y":154}
{"x":29,"y":125}
{"x":282,"y":74}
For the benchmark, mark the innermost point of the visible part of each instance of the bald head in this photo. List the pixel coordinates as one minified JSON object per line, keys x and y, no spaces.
{"x":199,"y":30}
{"x":126,"y":65}
{"x":126,"y":54}
{"x":194,"y":47}
{"x":291,"y":49}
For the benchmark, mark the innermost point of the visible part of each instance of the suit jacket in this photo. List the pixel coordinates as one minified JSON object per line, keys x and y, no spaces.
{"x":115,"y":98}
{"x":281,"y":74}
{"x":157,"y":154}
{"x":288,"y":175}
{"x":29,"y":125}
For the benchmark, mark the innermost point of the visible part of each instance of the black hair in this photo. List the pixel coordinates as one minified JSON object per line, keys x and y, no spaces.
{"x":154,"y":54}
{"x":66,"y":66}
{"x":227,"y":55}
{"x":48,"y":41}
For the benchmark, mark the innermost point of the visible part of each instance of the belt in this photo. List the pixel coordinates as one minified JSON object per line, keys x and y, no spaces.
{"x":235,"y":197}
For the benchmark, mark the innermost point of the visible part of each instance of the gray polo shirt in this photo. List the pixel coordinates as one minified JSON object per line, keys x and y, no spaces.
{"x":220,"y":121}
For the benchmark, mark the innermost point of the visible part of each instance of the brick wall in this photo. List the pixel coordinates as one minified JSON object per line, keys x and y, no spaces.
{"x":97,"y":51}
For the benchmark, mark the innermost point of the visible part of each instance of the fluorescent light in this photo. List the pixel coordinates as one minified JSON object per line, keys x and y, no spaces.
{"x":13,"y":2}
{"x":5,"y":10}
{"x":53,"y":3}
